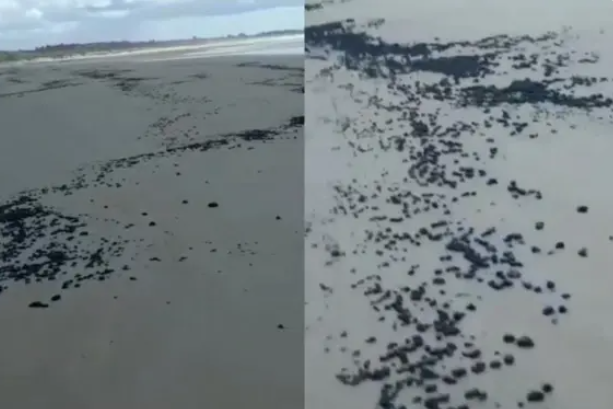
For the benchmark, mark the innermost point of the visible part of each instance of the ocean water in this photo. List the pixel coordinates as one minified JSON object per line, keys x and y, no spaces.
{"x":283,"y":45}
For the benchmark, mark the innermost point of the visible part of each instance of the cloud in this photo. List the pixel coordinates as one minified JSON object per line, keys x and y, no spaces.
{"x":28,"y":23}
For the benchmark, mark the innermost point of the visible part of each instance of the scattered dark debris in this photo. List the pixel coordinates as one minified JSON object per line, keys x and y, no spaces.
{"x":40,"y":244}
{"x":582,"y":209}
{"x":424,"y":313}
{"x":313,"y":6}
{"x":45,"y":86}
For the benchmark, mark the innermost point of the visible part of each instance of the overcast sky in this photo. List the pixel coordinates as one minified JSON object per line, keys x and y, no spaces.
{"x":30,"y":23}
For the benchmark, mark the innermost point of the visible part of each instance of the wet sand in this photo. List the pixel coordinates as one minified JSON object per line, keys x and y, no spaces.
{"x":151,"y":234}
{"x":460,"y":236}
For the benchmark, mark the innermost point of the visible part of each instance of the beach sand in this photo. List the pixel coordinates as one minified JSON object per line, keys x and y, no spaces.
{"x":151,"y":234}
{"x":460,"y":235}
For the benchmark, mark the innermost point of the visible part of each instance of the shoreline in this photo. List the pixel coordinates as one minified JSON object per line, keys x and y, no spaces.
{"x":220,"y":44}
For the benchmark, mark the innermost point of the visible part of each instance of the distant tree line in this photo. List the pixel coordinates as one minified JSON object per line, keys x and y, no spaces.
{"x":102,"y":46}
